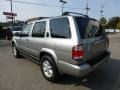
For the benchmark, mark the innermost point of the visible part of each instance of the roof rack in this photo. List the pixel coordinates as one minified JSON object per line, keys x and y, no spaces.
{"x":36,"y":18}
{"x":68,"y":13}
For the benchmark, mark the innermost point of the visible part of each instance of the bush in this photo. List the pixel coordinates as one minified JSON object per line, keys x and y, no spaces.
{"x":2,"y":33}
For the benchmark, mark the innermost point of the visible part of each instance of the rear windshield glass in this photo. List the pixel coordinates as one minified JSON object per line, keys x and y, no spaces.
{"x":88,"y":28}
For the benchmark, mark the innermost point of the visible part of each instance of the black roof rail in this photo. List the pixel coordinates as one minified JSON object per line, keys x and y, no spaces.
{"x":43,"y":17}
{"x":36,"y":18}
{"x":68,"y":13}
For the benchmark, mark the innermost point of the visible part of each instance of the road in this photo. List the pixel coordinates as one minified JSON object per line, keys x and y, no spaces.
{"x":23,"y":74}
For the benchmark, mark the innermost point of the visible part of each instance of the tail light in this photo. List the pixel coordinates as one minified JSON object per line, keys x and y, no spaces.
{"x":77,"y":52}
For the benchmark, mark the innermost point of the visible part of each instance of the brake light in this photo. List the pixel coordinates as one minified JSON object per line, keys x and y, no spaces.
{"x":77,"y":52}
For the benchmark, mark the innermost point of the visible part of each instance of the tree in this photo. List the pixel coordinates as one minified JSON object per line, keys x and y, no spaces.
{"x":1,"y":26}
{"x":118,"y":25}
{"x":2,"y":32}
{"x":103,"y":21}
{"x":113,"y":22}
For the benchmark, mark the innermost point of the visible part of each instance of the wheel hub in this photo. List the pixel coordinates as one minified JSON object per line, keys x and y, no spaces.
{"x":47,"y":68}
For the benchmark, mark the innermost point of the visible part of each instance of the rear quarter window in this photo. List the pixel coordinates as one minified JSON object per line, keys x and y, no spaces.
{"x":59,"y":28}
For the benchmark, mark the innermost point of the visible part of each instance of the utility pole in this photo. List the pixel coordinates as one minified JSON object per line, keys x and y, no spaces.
{"x":87,"y":8}
{"x":102,"y":6}
{"x":11,"y":5}
{"x":63,"y":2}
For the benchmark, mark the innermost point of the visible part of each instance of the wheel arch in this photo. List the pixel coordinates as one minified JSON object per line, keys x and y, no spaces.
{"x":14,"y":42}
{"x":48,"y":52}
{"x":52,"y":54}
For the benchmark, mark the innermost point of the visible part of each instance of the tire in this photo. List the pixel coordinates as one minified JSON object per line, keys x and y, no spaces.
{"x":15,"y":51}
{"x":49,"y":69}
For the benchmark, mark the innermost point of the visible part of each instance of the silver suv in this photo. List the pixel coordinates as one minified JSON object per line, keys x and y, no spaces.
{"x":68,"y":44}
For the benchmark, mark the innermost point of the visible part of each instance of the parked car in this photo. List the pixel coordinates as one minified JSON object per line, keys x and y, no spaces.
{"x":70,"y":44}
{"x":16,"y":29}
{"x":8,"y":33}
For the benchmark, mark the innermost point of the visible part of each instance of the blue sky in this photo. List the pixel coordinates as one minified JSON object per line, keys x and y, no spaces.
{"x":24,"y":11}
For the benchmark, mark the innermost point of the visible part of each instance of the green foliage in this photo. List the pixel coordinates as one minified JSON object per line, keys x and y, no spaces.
{"x":1,"y":27}
{"x":113,"y":22}
{"x":118,"y":25}
{"x":103,"y":21}
{"x":2,"y":32}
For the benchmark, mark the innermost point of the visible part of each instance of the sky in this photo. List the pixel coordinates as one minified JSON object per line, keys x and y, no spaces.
{"x":25,"y":11}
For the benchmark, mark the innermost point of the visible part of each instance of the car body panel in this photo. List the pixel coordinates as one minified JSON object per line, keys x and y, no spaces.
{"x":61,"y":48}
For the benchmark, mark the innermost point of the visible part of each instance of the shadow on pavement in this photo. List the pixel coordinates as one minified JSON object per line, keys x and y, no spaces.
{"x":106,"y":77}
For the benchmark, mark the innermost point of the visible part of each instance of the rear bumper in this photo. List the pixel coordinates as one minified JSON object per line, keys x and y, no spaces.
{"x":83,"y":69}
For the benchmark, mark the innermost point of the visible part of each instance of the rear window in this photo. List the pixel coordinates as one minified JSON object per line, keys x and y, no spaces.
{"x":88,"y":28}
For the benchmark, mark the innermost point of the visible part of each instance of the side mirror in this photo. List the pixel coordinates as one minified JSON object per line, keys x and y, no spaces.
{"x":17,"y":34}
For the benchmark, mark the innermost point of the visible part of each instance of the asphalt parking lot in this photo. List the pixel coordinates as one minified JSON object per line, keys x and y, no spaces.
{"x":24,"y":74}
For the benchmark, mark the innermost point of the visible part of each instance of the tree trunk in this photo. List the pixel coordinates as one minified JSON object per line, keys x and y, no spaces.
{"x":114,"y":30}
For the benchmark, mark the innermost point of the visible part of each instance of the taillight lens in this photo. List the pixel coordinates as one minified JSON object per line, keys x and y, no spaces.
{"x":77,"y":52}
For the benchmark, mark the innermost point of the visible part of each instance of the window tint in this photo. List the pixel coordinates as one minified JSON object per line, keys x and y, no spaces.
{"x":101,"y":31}
{"x":88,"y":28}
{"x":82,"y":25}
{"x":91,"y":31}
{"x":39,"y":29}
{"x":27,"y":29}
{"x":59,"y":28}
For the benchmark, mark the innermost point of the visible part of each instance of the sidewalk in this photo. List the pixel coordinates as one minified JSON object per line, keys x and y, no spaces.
{"x":114,"y":35}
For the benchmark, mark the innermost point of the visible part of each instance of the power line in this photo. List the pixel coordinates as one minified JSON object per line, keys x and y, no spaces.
{"x":34,"y":3}
{"x":42,"y":4}
{"x":49,"y":5}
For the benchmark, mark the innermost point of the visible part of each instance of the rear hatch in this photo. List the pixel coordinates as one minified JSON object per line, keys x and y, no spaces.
{"x":93,"y":37}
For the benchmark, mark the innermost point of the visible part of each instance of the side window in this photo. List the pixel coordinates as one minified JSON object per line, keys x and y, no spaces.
{"x":39,"y":29}
{"x":59,"y":28}
{"x":26,"y":29}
